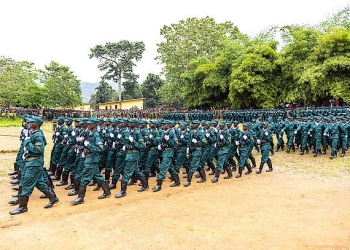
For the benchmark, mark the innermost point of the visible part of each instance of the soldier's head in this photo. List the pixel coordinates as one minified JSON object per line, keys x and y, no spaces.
{"x":60,"y":120}
{"x":133,"y":123}
{"x":183,"y":126}
{"x":76,"y":123}
{"x":222,"y":125}
{"x":246,"y":126}
{"x":92,"y":123}
{"x":153,"y":124}
{"x":195,"y":124}
{"x":208,"y":125}
{"x":69,"y":121}
{"x":143,"y":124}
{"x":34,"y":122}
{"x":166,"y":124}
{"x":265,"y":125}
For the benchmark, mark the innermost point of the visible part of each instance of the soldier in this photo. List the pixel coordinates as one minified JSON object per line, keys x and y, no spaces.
{"x":344,"y":136}
{"x":245,"y":143}
{"x":167,"y":143}
{"x":332,"y":131}
{"x":34,"y":167}
{"x":316,"y":132}
{"x":264,"y":140}
{"x":194,"y":149}
{"x":92,"y":147}
{"x":183,"y":136}
{"x":223,"y":140}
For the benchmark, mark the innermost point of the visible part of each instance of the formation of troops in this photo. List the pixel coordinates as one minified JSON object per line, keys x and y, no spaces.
{"x":102,"y":152}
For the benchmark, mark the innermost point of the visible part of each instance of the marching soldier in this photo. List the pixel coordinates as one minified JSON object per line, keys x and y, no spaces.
{"x":264,"y":140}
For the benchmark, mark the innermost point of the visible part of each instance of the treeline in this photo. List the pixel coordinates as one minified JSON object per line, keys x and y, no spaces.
{"x":215,"y":64}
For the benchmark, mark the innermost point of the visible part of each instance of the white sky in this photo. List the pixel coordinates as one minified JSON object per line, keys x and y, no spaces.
{"x":64,"y":30}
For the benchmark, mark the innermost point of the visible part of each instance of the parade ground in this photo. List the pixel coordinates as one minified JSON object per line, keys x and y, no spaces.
{"x":302,"y":204}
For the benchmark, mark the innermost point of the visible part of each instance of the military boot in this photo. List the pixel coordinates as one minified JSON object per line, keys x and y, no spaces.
{"x":301,"y":152}
{"x":260,"y":168}
{"x":113,"y":185}
{"x":107,"y":175}
{"x":15,"y":169}
{"x":106,"y":190}
{"x":122,"y":193}
{"x":249,"y":169}
{"x":76,"y":188}
{"x":234,"y":166}
{"x":189,"y":179}
{"x":71,"y":185}
{"x":64,"y":179}
{"x":293,"y":148}
{"x":288,"y":149}
{"x":278,"y":148}
{"x":58,"y":174}
{"x":269,"y":163}
{"x":16,"y":200}
{"x":158,"y":187}
{"x":342,"y":152}
{"x":98,"y":187}
{"x":240,"y":171}
{"x":144,"y":182}
{"x":203,"y":176}
{"x":229,"y":173}
{"x":81,"y":195}
{"x":52,"y":171}
{"x":253,"y":162}
{"x":93,"y":183}
{"x":216,"y":177}
{"x":133,"y":180}
{"x":212,"y":167}
{"x":177,"y":181}
{"x":23,"y":203}
{"x":14,"y":182}
{"x":52,"y":197}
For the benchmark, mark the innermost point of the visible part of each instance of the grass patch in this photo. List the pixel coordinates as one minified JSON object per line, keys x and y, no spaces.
{"x":9,"y":122}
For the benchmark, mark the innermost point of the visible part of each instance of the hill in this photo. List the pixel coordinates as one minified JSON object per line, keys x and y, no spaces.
{"x":87,"y":88}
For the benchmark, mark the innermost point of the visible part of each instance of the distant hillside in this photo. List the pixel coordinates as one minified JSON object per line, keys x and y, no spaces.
{"x":87,"y":88}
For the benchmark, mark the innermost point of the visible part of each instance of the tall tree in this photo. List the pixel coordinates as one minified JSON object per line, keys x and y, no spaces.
{"x":62,"y":88}
{"x":92,"y":101}
{"x":189,"y":39}
{"x":131,"y":88}
{"x":149,"y":90}
{"x":117,"y":60}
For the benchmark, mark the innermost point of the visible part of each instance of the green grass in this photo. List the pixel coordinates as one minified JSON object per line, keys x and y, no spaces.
{"x":8,"y":122}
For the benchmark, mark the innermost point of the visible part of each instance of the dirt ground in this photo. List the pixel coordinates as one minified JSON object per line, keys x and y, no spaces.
{"x":302,"y":204}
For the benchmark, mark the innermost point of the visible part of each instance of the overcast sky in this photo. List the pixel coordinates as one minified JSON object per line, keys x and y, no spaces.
{"x":64,"y":30}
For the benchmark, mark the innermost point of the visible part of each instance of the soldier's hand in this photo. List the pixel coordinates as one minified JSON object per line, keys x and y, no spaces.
{"x":73,"y":133}
{"x":258,"y":141}
{"x":237,"y":143}
{"x":266,"y":133}
{"x":131,"y":139}
{"x":181,"y":136}
{"x":86,"y":143}
{"x":150,"y":136}
{"x":124,"y":148}
{"x":221,"y":137}
{"x":194,"y":141}
{"x":245,"y":137}
{"x":207,"y":135}
{"x":166,"y":137}
{"x":159,"y":147}
{"x":111,"y":135}
{"x":119,"y":136}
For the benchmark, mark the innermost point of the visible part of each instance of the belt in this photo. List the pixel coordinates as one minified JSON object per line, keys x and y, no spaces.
{"x":167,"y":149}
{"x":131,"y":151}
{"x":73,"y":146}
{"x":32,"y":158}
{"x":152,"y":148}
{"x":334,"y":134}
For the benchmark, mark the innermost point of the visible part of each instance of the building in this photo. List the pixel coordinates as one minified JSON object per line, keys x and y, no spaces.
{"x":84,"y":107}
{"x":125,"y":104}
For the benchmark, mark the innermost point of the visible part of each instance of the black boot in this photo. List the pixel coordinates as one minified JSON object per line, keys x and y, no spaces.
{"x":23,"y":203}
{"x":342,"y":152}
{"x":15,"y":169}
{"x":234,"y":166}
{"x":249,"y":169}
{"x":107,"y":175}
{"x":177,"y":181}
{"x":52,"y":170}
{"x":133,"y":180}
{"x":81,"y":195}
{"x":113,"y":185}
{"x":15,"y":188}
{"x":278,"y":148}
{"x":253,"y":162}
{"x":316,"y":152}
{"x":98,"y":187}
{"x":282,"y":147}
{"x":144,"y":182}
{"x":229,"y":173}
{"x":301,"y":151}
{"x":260,"y":168}
{"x":76,"y":188}
{"x":106,"y":190}
{"x":189,"y":179}
{"x":64,"y":179}
{"x":52,"y":197}
{"x":122,"y":193}
{"x":288,"y":149}
{"x":269,"y":163}
{"x":239,"y":174}
{"x":203,"y":176}
{"x":71,"y":185}
{"x":58,"y":174}
{"x":197,"y":175}
{"x":212,"y":167}
{"x":217,"y":175}
{"x":158,"y":187}
{"x":293,"y":148}
{"x":16,"y":200}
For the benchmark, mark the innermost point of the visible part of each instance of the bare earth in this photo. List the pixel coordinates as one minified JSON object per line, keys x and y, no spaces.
{"x":303,"y":204}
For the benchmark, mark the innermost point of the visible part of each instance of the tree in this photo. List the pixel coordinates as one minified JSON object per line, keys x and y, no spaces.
{"x":117,"y":60}
{"x":256,"y":77}
{"x":149,"y":90}
{"x":131,"y":88}
{"x":189,"y":39}
{"x":92,"y":101}
{"x":16,"y":80}
{"x":104,"y":92}
{"x":62,"y":88}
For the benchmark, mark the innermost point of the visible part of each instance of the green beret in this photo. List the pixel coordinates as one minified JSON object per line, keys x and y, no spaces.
{"x":208,"y":123}
{"x":93,"y":121}
{"x":61,"y":119}
{"x":222,"y":123}
{"x":246,"y":124}
{"x":35,"y":119}
{"x":196,"y":122}
{"x":265,"y":123}
{"x":166,"y":122}
{"x":133,"y":120}
{"x":154,"y":122}
{"x":83,"y":120}
{"x":68,"y":119}
{"x":144,"y":122}
{"x":215,"y":121}
{"x":25,"y":116}
{"x":235,"y":122}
